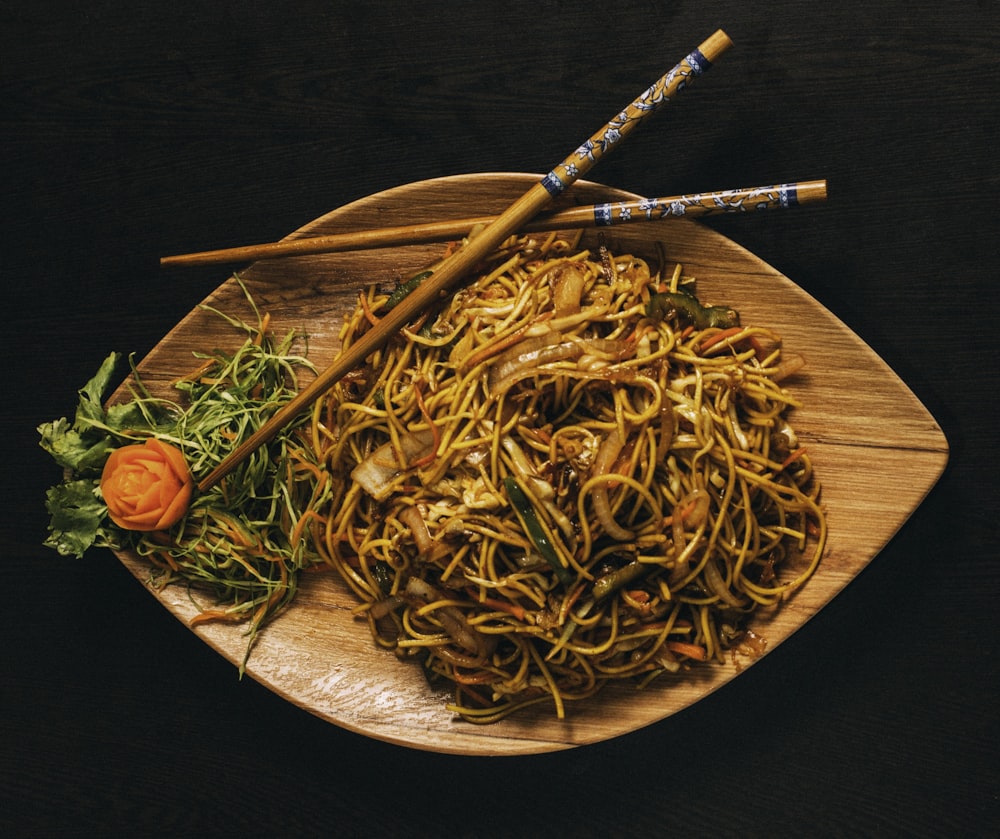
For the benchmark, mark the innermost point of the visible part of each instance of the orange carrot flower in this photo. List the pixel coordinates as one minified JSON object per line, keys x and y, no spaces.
{"x":146,"y":486}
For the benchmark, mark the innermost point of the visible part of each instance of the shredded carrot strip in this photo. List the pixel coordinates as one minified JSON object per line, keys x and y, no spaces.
{"x":502,"y":344}
{"x":216,"y":615}
{"x":428,"y":458}
{"x":788,"y":461}
{"x":684,"y":513}
{"x":195,"y":374}
{"x":694,"y":651}
{"x":503,"y":606}
{"x":264,"y":323}
{"x":570,"y":601}
{"x":719,"y":337}
{"x":369,"y":315}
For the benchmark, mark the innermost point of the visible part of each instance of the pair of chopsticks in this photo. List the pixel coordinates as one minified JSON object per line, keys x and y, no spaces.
{"x":515,"y":218}
{"x":595,"y":215}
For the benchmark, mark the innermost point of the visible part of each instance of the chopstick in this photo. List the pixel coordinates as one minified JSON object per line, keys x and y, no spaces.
{"x":473,"y":250}
{"x":594,"y":215}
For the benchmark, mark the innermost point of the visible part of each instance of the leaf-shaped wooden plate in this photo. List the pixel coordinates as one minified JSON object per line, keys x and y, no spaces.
{"x":856,"y":412}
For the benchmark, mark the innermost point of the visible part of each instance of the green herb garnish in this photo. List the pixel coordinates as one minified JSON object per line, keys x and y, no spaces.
{"x":243,"y":542}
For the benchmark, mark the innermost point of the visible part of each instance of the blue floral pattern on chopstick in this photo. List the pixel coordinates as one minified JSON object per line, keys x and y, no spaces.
{"x":653,"y":98}
{"x":698,"y":204}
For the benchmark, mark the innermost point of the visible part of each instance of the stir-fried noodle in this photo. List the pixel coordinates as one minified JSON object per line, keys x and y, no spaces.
{"x":569,"y":472}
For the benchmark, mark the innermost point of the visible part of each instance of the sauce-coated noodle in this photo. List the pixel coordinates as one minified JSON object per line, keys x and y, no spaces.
{"x":569,"y":472}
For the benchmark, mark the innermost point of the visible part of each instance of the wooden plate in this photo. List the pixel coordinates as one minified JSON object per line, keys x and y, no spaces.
{"x":876,"y":450}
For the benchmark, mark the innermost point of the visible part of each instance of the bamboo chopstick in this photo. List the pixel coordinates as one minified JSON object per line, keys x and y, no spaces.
{"x":464,"y":259}
{"x":594,"y":215}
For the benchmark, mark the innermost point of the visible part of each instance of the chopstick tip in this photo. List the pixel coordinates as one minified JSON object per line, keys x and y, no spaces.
{"x":812,"y":191}
{"x":715,"y":45}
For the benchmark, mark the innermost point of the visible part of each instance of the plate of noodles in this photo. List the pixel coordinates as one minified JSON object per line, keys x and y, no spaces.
{"x":589,"y":487}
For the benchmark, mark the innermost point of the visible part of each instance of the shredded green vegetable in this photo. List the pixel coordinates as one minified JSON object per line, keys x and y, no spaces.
{"x":241,"y":544}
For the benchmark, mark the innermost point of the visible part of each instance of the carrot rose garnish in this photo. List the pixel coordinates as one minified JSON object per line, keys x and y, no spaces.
{"x":146,"y":486}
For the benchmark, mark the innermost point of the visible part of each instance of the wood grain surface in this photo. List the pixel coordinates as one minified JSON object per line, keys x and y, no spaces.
{"x":876,"y":449}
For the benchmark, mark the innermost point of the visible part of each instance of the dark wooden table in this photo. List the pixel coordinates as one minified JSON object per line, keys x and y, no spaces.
{"x":134,"y":130}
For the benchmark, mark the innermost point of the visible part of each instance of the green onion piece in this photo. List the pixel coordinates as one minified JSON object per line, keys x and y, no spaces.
{"x":685,"y":305}
{"x":403,"y":289}
{"x":620,"y":577}
{"x":533,"y":528}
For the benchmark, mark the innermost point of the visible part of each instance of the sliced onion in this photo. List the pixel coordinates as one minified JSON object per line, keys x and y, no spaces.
{"x":519,"y":460}
{"x":667,"y":427}
{"x":718,"y":587}
{"x":701,"y":500}
{"x":451,"y":618}
{"x":376,"y":472}
{"x":611,"y":349}
{"x":414,"y":520}
{"x":420,"y":588}
{"x":790,"y":364}
{"x":600,"y":352}
{"x":381,"y":608}
{"x":568,"y":281}
{"x":527,"y":355}
{"x":667,"y":660}
{"x":607,"y":454}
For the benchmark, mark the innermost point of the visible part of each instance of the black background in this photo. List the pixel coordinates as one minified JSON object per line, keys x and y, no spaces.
{"x":133,"y":130}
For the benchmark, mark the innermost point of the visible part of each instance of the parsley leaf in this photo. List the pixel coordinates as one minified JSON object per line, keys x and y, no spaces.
{"x":77,"y":512}
{"x":82,"y":446}
{"x":76,"y":509}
